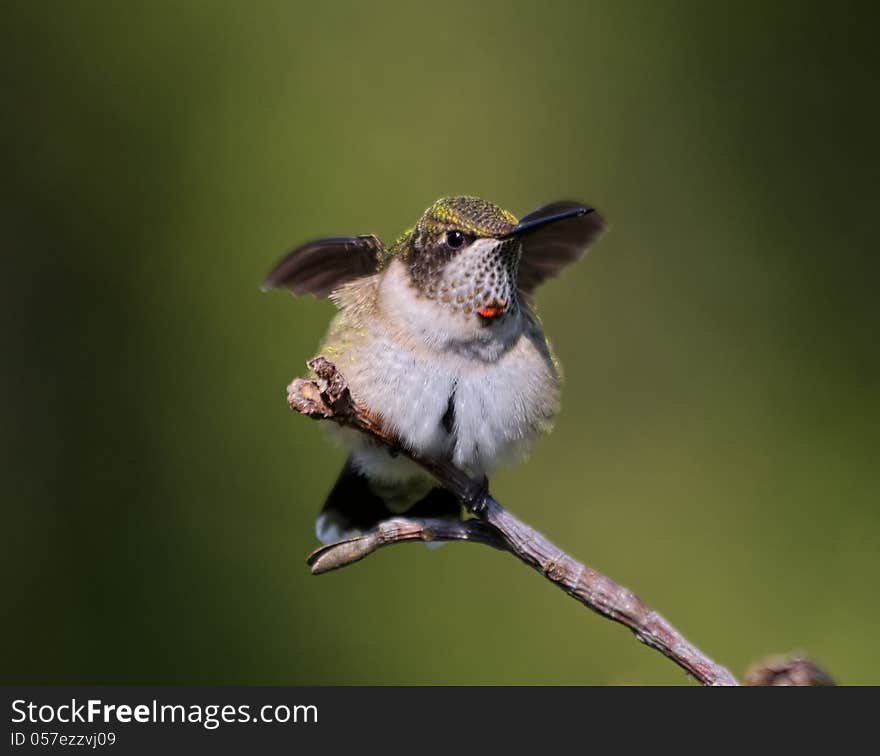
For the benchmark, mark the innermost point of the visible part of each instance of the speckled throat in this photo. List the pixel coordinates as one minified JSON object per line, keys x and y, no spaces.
{"x":480,"y":276}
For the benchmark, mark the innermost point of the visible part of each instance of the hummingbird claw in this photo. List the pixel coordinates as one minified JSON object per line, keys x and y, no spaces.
{"x":475,"y":495}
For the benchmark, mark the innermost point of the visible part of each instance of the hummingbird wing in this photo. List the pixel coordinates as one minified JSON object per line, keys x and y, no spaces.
{"x":323,"y":265}
{"x":549,"y":248}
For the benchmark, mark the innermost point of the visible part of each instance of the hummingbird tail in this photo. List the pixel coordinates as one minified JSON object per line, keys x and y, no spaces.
{"x":352,"y":507}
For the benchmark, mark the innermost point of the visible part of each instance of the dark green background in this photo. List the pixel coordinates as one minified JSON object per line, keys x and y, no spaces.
{"x":717,"y":449}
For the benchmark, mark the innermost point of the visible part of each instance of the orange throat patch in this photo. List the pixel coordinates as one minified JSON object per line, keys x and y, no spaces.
{"x":493,"y":310}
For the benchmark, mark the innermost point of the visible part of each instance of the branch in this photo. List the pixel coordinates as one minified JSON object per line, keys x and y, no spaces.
{"x":400,"y":530}
{"x":327,"y":398}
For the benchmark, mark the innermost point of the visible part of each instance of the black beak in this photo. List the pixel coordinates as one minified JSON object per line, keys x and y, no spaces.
{"x":521,"y":228}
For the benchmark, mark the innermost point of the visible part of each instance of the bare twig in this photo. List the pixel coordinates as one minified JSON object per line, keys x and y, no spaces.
{"x":400,"y":530}
{"x":327,"y":398}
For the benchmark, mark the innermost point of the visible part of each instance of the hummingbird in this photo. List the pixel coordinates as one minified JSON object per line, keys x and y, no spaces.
{"x":437,"y":334}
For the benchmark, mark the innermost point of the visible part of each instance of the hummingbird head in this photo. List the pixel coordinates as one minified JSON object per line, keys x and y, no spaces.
{"x":464,"y":253}
{"x":458,"y":256}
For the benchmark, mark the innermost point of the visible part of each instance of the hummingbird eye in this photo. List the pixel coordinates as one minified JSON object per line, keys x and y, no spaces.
{"x":455,"y":239}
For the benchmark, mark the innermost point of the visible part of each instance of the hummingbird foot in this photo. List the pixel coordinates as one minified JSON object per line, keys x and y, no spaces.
{"x":474,"y":495}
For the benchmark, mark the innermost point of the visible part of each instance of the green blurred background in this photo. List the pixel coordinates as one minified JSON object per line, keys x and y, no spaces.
{"x":717,"y":448}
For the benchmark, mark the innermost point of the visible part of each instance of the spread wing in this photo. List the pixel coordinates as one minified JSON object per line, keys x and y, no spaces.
{"x":548,"y":249}
{"x":321,"y":266}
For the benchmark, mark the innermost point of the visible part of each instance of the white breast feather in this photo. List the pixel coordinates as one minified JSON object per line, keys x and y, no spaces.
{"x":409,"y":359}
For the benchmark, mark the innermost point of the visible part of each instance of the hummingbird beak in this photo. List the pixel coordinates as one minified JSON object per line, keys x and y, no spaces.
{"x":522,"y":228}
